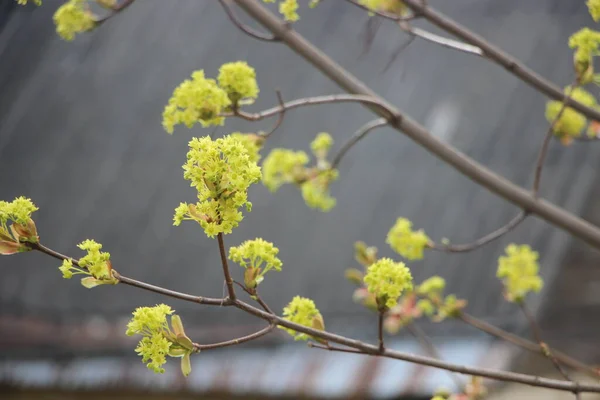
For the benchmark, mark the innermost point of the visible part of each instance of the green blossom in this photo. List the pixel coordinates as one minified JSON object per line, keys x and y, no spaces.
{"x":95,"y":265}
{"x":315,"y":191}
{"x":19,"y":211}
{"x":24,"y":2}
{"x":16,"y":226}
{"x":73,"y":17}
{"x":594,"y":8}
{"x":221,"y":171}
{"x":387,"y":280}
{"x":406,"y":242}
{"x":433,"y":302}
{"x":258,"y":257}
{"x":586,"y":43}
{"x":252,"y":142}
{"x":518,"y":270}
{"x":302,"y":311}
{"x":571,"y":123}
{"x":289,"y":10}
{"x":283,"y":166}
{"x":389,"y":6}
{"x":432,"y":286}
{"x":321,"y":145}
{"x":159,"y":338}
{"x":287,"y":166}
{"x":238,"y":79}
{"x":196,"y":100}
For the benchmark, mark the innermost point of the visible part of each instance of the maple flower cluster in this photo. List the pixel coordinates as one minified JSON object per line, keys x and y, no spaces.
{"x":390,"y":6}
{"x":433,"y":303}
{"x":519,"y":270}
{"x":159,"y":339}
{"x":72,"y":18}
{"x":252,"y":142}
{"x":283,"y":166}
{"x":258,"y":257}
{"x":221,"y":171}
{"x":289,"y":8}
{"x":24,"y":2}
{"x":95,"y":264}
{"x":406,"y":242}
{"x":203,"y":100}
{"x":387,"y":280}
{"x":571,"y":123}
{"x":302,"y":311}
{"x":21,"y":230}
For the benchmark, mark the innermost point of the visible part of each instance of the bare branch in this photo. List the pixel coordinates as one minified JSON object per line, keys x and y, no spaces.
{"x":233,"y":342}
{"x":535,"y":329}
{"x":524,"y":343}
{"x":464,"y":164}
{"x":358,"y":135}
{"x":228,"y":280}
{"x":243,"y":27}
{"x":497,"y":55}
{"x":281,"y":115}
{"x":460,"y":248}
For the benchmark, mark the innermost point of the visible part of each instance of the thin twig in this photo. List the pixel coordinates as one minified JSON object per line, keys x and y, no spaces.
{"x":280,"y":117}
{"x":334,"y":348}
{"x":470,"y":168}
{"x":228,"y":280}
{"x":500,"y":57}
{"x":401,"y":48}
{"x":539,"y":165}
{"x":430,"y":349}
{"x":254,"y":295}
{"x":358,"y":135}
{"x":440,"y":40}
{"x":364,"y":347}
{"x":233,"y":342}
{"x":243,"y":27}
{"x":459,"y":248}
{"x":114,"y":11}
{"x":380,"y":330}
{"x":535,"y":330}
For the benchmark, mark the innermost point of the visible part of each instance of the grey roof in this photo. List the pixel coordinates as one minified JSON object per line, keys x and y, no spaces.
{"x":80,"y":133}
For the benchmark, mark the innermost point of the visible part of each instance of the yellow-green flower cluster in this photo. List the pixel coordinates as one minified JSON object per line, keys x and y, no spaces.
{"x":19,"y":211}
{"x":196,"y":100}
{"x":159,"y":339}
{"x":571,"y":123}
{"x":586,"y":43}
{"x":283,"y":166}
{"x":21,"y":230}
{"x":252,"y":142}
{"x":321,"y":145}
{"x":288,"y":166}
{"x":406,"y":242}
{"x":238,"y":79}
{"x":387,"y":280}
{"x":221,"y":172}
{"x":24,"y":2}
{"x":315,"y":191}
{"x":258,"y":257}
{"x":518,"y":270}
{"x":73,"y":17}
{"x":594,"y":9}
{"x":434,"y":304}
{"x":302,"y":311}
{"x":202,"y":100}
{"x":96,"y":264}
{"x":390,"y":6}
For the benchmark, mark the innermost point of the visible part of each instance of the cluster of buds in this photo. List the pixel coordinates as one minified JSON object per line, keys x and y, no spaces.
{"x":17,"y":229}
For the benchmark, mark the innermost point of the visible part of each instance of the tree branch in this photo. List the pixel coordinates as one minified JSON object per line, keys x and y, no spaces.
{"x":497,"y":55}
{"x":243,"y":27}
{"x":233,"y":342}
{"x":459,"y":161}
{"x":115,"y":10}
{"x":524,"y":343}
{"x":352,"y":343}
{"x":228,"y":280}
{"x":358,"y":135}
{"x":545,"y":349}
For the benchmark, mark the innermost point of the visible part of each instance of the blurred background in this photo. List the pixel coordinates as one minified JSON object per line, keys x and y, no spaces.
{"x":81,"y":135}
